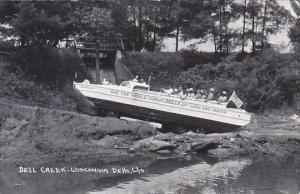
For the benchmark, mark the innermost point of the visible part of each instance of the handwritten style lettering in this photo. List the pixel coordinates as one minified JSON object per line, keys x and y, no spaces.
{"x":158,"y":99}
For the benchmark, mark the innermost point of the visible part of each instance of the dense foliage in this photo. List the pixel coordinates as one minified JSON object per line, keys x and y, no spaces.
{"x":269,"y":79}
{"x":295,"y":29}
{"x":55,"y":67}
{"x":42,"y":23}
{"x":266,"y":80}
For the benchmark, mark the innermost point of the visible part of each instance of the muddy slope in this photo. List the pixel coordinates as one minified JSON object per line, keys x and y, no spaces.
{"x":31,"y":133}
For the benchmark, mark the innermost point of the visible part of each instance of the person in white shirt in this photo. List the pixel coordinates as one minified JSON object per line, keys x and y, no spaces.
{"x":211,"y":94}
{"x":105,"y":81}
{"x":223,"y":97}
{"x":183,"y":94}
{"x":200,"y":94}
{"x":168,"y":91}
{"x":136,"y":79}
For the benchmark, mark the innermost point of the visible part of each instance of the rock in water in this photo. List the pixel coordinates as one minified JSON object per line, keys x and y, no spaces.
{"x":220,"y":152}
{"x":152,"y":144}
{"x":164,"y":151}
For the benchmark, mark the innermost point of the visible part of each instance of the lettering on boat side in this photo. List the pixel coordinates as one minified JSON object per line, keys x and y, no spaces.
{"x":179,"y":103}
{"x":114,"y":92}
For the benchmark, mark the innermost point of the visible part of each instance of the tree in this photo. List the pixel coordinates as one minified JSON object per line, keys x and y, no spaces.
{"x":194,"y":19}
{"x":295,"y":29}
{"x":244,"y":25}
{"x":210,"y":19}
{"x":92,"y":18}
{"x":296,"y":6}
{"x":260,"y":20}
{"x":42,"y":23}
{"x":275,"y":18}
{"x":144,"y":22}
{"x":226,"y":13}
{"x":8,"y":11}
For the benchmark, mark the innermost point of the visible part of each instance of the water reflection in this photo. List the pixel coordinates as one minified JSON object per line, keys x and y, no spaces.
{"x":198,"y":178}
{"x":189,"y":176}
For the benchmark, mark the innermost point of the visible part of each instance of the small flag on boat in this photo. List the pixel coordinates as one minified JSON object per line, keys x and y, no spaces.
{"x":236,"y":100}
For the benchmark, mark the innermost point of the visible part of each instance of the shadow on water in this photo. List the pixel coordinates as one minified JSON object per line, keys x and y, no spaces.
{"x":192,"y":174}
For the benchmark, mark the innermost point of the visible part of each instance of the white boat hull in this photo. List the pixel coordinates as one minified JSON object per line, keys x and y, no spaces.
{"x":164,"y":108}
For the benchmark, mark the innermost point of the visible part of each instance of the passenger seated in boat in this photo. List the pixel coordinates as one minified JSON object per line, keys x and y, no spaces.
{"x":168,"y":91}
{"x":211,"y":94}
{"x":192,"y":95}
{"x":136,"y":79}
{"x":177,"y":90}
{"x":105,"y":82}
{"x":200,"y":94}
{"x":190,"y":92}
{"x":183,"y":94}
{"x":223,"y":97}
{"x":142,"y":80}
{"x":86,"y":81}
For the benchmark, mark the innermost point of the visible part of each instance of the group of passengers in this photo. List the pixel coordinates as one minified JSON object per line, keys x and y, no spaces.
{"x":184,"y":93}
{"x":197,"y":94}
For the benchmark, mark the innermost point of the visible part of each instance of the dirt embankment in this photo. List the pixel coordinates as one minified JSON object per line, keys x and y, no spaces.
{"x":34,"y":135}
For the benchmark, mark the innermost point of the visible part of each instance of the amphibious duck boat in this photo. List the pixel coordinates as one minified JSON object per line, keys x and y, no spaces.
{"x":135,"y":99}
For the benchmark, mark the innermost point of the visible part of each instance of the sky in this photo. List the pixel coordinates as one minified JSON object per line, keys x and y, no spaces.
{"x":281,"y":39}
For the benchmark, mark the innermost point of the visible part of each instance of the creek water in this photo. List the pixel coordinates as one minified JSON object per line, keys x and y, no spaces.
{"x":264,"y":175}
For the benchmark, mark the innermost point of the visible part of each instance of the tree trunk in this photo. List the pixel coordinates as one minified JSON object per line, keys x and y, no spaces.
{"x":154,"y":41}
{"x":215,"y":42}
{"x":140,"y":42}
{"x":244,"y":27}
{"x":253,"y":33}
{"x":264,"y":25}
{"x":97,"y":66}
{"x":226,"y":38}
{"x":177,"y":37}
{"x":221,"y":31}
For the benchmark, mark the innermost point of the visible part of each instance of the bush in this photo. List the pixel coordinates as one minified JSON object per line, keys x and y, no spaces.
{"x":269,"y":79}
{"x":265,"y":80}
{"x":51,"y":66}
{"x":17,"y":85}
{"x":193,"y":57}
